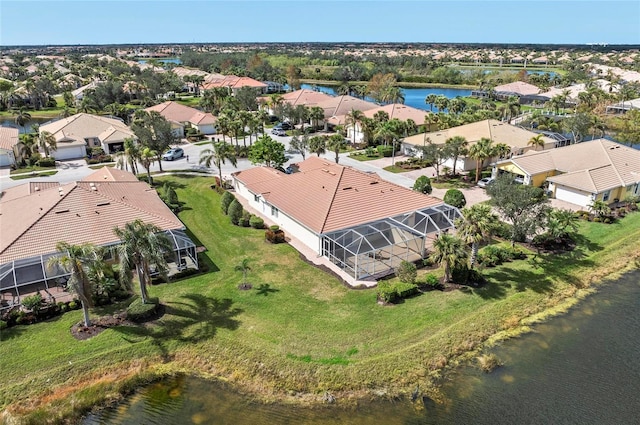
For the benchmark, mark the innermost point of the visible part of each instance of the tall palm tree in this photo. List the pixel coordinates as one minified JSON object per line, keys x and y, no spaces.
{"x":449,"y":252}
{"x":481,"y":151}
{"x":22,"y":117}
{"x":77,"y":260}
{"x":142,"y":245}
{"x":431,"y":100}
{"x":442,"y":103}
{"x":536,"y":142}
{"x":219,"y":154}
{"x":316,"y":114}
{"x":457,"y":147}
{"x":317,"y":145}
{"x":147,"y":157}
{"x":476,"y":225}
{"x":47,"y":142}
{"x":335,"y":144}
{"x":352,"y":119}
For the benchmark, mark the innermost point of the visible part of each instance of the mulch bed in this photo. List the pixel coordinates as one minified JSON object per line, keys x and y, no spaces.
{"x":82,"y":332}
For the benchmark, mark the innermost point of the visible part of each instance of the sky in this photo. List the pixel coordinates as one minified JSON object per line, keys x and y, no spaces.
{"x":25,"y":22}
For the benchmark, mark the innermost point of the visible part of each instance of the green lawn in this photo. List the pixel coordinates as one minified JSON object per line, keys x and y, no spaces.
{"x":361,"y":156}
{"x":299,"y":329}
{"x":31,"y":168}
{"x":34,"y":175}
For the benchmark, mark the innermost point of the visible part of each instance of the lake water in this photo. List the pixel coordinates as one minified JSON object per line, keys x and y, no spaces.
{"x":413,"y":97}
{"x":5,"y":122}
{"x":165,"y":60}
{"x":580,"y":368}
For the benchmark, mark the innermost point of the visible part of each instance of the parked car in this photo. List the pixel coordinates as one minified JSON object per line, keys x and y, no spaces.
{"x":278,"y":132}
{"x":283,"y":125}
{"x":173,"y":153}
{"x":485,"y":181}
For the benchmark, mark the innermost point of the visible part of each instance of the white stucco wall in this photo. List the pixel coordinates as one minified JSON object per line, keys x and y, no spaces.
{"x":286,"y":223}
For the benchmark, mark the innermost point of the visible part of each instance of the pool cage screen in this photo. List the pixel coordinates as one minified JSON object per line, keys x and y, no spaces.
{"x":377,"y":248}
{"x":28,"y":276}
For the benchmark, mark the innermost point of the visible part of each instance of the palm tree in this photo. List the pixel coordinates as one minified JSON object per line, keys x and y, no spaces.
{"x":599,"y":208}
{"x":442,"y":103}
{"x":142,"y":246}
{"x":22,"y":117}
{"x":147,"y":157}
{"x":219,"y":154}
{"x":476,"y":225}
{"x":243,"y":267}
{"x":431,"y":100}
{"x":352,"y":119}
{"x":77,"y":260}
{"x":47,"y":142}
{"x":458,"y":147}
{"x":335,"y":144}
{"x":481,"y":151}
{"x":317,"y":145}
{"x":449,"y":252}
{"x":536,"y":142}
{"x":316,"y":114}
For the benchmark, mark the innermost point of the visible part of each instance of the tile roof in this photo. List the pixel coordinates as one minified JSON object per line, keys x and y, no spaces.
{"x":305,"y":97}
{"x":324,"y":196}
{"x":78,"y":127}
{"x":342,"y":105}
{"x":394,"y":110}
{"x":519,"y":87}
{"x":595,"y":166}
{"x":8,"y":137}
{"x":76,"y":213}
{"x":233,"y":82}
{"x":498,"y":131}
{"x":174,"y":111}
{"x":26,"y":189}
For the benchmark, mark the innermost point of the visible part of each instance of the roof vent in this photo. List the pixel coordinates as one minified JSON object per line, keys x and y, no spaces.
{"x":374,"y":182}
{"x":62,"y":211}
{"x":36,"y":188}
{"x":347,"y":188}
{"x":102,"y":204}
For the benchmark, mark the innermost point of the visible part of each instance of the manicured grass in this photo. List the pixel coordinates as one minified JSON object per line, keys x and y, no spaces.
{"x":395,"y":169}
{"x":30,"y":169}
{"x":98,"y":166}
{"x":34,"y":175}
{"x":361,"y":156}
{"x":192,"y":101}
{"x":298,"y":329}
{"x":457,"y":182}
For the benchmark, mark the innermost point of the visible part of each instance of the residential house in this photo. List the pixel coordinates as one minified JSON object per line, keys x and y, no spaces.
{"x":234,"y":83}
{"x":518,"y":89}
{"x":499,"y":132}
{"x":624,"y":107}
{"x":580,"y":173}
{"x":8,"y":141}
{"x":38,"y":215}
{"x":181,"y":116}
{"x":81,"y":131}
{"x":364,"y":225}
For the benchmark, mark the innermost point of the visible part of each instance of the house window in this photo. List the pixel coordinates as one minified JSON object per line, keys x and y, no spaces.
{"x":606,"y":195}
{"x":274,"y":211}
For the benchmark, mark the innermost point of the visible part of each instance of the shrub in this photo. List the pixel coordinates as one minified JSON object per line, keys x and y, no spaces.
{"x":503,"y":230}
{"x":73,"y":305}
{"x":3,"y":325}
{"x":274,"y":236}
{"x":274,"y":227}
{"x":256,"y":222}
{"x":392,"y":292}
{"x":463,"y":275}
{"x":407,"y":272}
{"x":385,"y":151}
{"x":46,"y":162}
{"x":139,"y":312}
{"x":455,"y":198}
{"x":32,"y":302}
{"x":246,"y":218}
{"x":370,"y":151}
{"x":423,"y":185}
{"x":225,"y":202}
{"x":432,"y":280}
{"x":235,"y":212}
{"x":488,"y":362}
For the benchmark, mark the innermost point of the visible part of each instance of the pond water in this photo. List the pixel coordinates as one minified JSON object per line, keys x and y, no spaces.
{"x":413,"y":97}
{"x":165,"y":60}
{"x":580,"y":368}
{"x":7,"y":122}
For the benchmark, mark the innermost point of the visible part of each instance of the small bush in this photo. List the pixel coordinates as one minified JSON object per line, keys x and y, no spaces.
{"x":139,"y":312}
{"x":504,"y":230}
{"x":246,"y":218}
{"x":235,"y":212}
{"x":46,"y":162}
{"x":32,"y":302}
{"x":73,"y":305}
{"x":385,"y":151}
{"x":463,"y":275}
{"x":274,"y":227}
{"x":185,"y":273}
{"x":407,"y":272}
{"x":392,"y":292}
{"x":3,"y":325}
{"x":274,"y":236}
{"x":432,"y":280}
{"x":455,"y":198}
{"x":256,"y":222}
{"x":225,"y":201}
{"x":423,"y":185}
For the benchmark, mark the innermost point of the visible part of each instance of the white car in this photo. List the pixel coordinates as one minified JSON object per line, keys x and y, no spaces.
{"x":172,"y":154}
{"x":485,"y":181}
{"x":278,"y":132}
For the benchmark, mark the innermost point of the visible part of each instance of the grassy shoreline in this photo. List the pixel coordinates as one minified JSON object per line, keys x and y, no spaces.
{"x":274,"y":344}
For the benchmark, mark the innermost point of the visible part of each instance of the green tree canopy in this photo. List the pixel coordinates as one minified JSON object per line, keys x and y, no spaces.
{"x":268,"y":152}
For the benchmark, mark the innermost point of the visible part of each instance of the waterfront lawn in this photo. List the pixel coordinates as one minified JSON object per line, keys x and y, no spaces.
{"x":298,"y":329}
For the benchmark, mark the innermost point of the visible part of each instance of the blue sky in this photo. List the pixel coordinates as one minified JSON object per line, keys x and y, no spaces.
{"x":151,"y":21}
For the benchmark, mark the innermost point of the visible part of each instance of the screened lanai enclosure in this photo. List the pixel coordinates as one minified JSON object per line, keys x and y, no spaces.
{"x":20,"y":278}
{"x":377,"y":248}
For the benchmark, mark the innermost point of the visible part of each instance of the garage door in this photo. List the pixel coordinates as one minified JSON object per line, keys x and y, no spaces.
{"x":574,"y":196}
{"x":70,"y":152}
{"x":5,"y":159}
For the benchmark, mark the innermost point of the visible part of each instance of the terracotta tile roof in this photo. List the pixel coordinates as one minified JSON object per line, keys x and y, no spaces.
{"x":324,"y":196}
{"x":8,"y":137}
{"x":233,"y":82}
{"x":342,"y":105}
{"x":176,"y":112}
{"x":78,"y":127}
{"x":26,"y":189}
{"x":110,"y":174}
{"x":498,"y":131}
{"x":394,"y":110}
{"x":305,"y":97}
{"x":519,"y":87}
{"x":596,"y":166}
{"x":76,"y":213}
